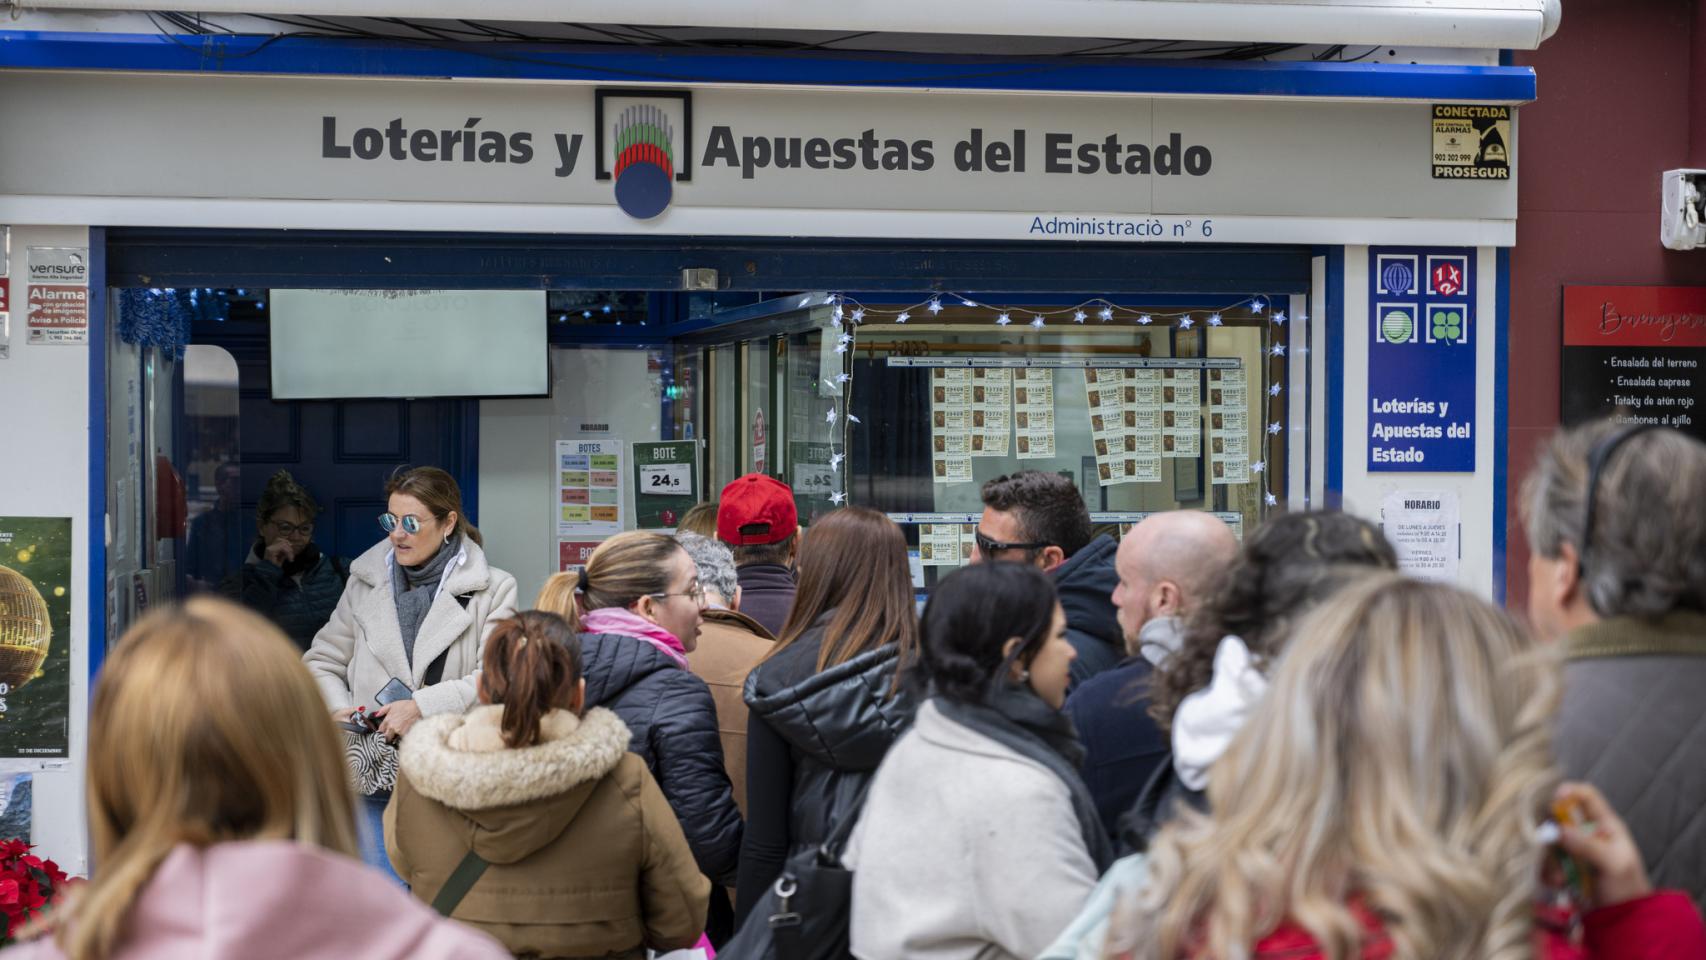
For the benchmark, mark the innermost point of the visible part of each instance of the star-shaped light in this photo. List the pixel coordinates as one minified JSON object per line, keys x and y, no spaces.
{"x":805,"y":300}
{"x":1274,"y":390}
{"x":969,"y":303}
{"x":843,"y":377}
{"x":1003,"y":320}
{"x":1146,"y":318}
{"x":1270,"y":499}
{"x":1258,"y":466}
{"x":1258,"y":305}
{"x":1185,"y":322}
{"x":838,"y":313}
{"x":841,"y":348}
{"x":859,"y":315}
{"x":852,"y":419}
{"x":1106,"y":313}
{"x":904,"y":316}
{"x":1078,"y":316}
{"x":936,"y":306}
{"x":838,"y":498}
{"x":1279,"y":317}
{"x":835,"y":460}
{"x":1278,"y":350}
{"x":1214,"y":319}
{"x":830,"y":416}
{"x":1037,"y":321}
{"x":845,"y":338}
{"x":1274,"y":428}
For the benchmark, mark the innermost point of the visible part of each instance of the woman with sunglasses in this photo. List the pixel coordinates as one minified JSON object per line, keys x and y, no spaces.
{"x":416,"y":611}
{"x":637,"y":605}
{"x":286,"y":578}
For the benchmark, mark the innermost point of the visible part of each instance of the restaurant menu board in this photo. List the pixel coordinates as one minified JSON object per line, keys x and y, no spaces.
{"x":1033,"y":414}
{"x":1181,"y":414}
{"x":589,"y":490}
{"x":1228,"y":426}
{"x":945,"y":544}
{"x":1638,"y":349}
{"x":992,"y":412}
{"x":1125,"y":452}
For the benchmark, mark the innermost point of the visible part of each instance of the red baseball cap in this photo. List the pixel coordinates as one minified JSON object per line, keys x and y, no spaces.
{"x":756,"y":509}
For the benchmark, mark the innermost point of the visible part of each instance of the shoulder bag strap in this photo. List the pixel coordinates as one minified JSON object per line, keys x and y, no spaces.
{"x":461,"y":880}
{"x":435,"y":669}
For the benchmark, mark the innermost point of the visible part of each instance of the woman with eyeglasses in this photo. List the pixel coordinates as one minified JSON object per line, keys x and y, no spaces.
{"x":636,"y":605}
{"x":286,"y":578}
{"x":412,"y":621}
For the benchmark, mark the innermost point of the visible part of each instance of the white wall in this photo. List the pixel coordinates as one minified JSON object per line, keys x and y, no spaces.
{"x":45,"y":435}
{"x":518,"y":448}
{"x":1364,"y":491}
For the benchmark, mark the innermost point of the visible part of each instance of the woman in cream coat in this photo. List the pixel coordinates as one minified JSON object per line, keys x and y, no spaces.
{"x":417,"y":608}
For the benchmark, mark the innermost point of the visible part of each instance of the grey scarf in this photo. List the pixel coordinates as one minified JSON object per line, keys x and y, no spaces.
{"x":413,"y":589}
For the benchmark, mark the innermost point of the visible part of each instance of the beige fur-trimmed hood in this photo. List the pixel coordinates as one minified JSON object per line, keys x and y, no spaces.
{"x":459,"y":760}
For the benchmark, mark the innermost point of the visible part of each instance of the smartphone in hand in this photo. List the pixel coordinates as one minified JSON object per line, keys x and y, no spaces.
{"x":393,"y":691}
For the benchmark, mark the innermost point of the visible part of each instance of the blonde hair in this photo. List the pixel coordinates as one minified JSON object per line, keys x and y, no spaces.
{"x":623,"y":569}
{"x":206,"y":728}
{"x":1401,"y":756}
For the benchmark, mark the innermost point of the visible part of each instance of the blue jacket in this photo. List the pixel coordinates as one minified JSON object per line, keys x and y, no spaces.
{"x":1122,"y":745}
{"x":1085,"y":584}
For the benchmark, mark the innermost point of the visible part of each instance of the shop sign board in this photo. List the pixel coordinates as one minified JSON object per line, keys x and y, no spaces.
{"x":1421,"y":359}
{"x":749,"y":160}
{"x":665,"y":483}
{"x":1636,"y":350}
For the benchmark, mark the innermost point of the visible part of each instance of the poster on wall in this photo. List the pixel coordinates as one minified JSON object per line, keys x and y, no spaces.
{"x":1636,"y":350}
{"x":1421,"y":359}
{"x":992,"y":411}
{"x":5,"y":318}
{"x":35,"y":640}
{"x":812,"y":476}
{"x":573,"y":554}
{"x":952,"y":439}
{"x":665,"y":483}
{"x":58,"y":297}
{"x":1229,"y":426}
{"x":1033,"y":414}
{"x":1425,"y":529}
{"x":589,"y":487}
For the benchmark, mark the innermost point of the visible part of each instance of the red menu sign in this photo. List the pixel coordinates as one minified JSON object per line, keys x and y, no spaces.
{"x":1640,"y":350}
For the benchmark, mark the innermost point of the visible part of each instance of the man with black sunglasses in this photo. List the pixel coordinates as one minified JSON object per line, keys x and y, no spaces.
{"x":1040,"y":518}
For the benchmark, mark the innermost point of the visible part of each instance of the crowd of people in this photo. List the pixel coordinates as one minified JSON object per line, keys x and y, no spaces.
{"x":1170,"y":746}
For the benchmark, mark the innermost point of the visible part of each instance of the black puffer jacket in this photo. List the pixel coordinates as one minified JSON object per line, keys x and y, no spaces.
{"x":673,"y":720}
{"x":836,"y":726}
{"x":1085,"y":584}
{"x":299,"y":607}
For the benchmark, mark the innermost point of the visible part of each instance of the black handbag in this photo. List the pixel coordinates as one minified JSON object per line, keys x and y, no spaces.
{"x":806,"y":913}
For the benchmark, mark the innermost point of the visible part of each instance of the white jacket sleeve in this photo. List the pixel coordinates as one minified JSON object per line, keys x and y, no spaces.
{"x":328,"y":657}
{"x":460,"y":694}
{"x":1034,"y":876}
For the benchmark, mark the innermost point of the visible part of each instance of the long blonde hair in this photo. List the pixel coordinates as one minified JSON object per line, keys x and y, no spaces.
{"x":205,"y":728}
{"x":623,"y":569}
{"x":1401,"y":756}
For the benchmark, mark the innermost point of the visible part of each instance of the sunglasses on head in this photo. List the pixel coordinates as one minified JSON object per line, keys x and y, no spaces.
{"x":390,"y":522}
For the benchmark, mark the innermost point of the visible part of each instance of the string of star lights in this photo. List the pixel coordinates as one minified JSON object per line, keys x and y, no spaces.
{"x":847,"y":315}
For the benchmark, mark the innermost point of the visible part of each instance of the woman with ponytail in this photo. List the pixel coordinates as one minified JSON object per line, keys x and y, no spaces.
{"x":637,"y":607}
{"x":286,"y":578}
{"x":580,"y":855}
{"x":219,"y":813}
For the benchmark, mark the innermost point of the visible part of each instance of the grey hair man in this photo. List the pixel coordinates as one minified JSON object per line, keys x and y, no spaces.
{"x":730,"y":645}
{"x":1616,"y":523}
{"x":1166,"y":565}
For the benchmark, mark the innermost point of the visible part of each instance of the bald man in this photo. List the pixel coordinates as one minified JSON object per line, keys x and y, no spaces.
{"x":1166,"y":565}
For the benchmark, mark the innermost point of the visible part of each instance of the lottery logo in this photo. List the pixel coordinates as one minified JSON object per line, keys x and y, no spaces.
{"x":1396,"y":322}
{"x":1448,"y":276}
{"x":1396,"y":274}
{"x":644,"y":147}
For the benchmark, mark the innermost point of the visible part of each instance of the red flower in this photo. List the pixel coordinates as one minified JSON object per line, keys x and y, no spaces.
{"x":9,"y":892}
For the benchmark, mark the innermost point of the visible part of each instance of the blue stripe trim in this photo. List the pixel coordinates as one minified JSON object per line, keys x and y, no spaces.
{"x":1335,"y":485}
{"x":26,"y":49}
{"x":1501,"y":423}
{"x":96,"y":638}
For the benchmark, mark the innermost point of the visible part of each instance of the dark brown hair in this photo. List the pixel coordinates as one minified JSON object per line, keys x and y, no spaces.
{"x":283,"y":491}
{"x":854,"y":564}
{"x":438,"y":492}
{"x":1291,"y":563}
{"x":532,"y":664}
{"x":1047,"y":506}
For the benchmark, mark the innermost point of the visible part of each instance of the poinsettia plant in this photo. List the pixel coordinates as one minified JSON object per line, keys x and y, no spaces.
{"x":29,"y":886}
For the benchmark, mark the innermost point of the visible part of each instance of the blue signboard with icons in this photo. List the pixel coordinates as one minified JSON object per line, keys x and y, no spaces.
{"x":1421,"y":359}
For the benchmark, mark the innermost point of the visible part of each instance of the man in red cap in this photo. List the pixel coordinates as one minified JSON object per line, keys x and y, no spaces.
{"x":756,"y":516}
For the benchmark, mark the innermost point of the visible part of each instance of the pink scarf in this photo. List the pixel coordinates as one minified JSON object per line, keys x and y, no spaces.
{"x":629,"y":624}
